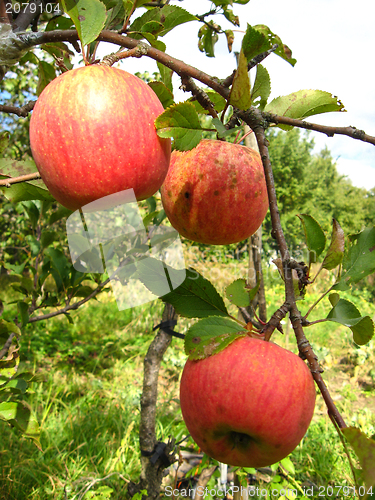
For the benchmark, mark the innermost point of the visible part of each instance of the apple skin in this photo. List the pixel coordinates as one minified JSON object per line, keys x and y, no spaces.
{"x":250,"y":404}
{"x":216,"y":193}
{"x":92,"y":134}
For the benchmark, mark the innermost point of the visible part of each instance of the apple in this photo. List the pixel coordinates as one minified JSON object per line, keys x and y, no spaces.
{"x":92,"y":134}
{"x":216,"y":193}
{"x":248,"y":405}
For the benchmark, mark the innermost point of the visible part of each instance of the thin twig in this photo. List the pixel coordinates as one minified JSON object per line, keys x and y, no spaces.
{"x":347,"y":453}
{"x":22,"y":178}
{"x":248,"y":318}
{"x":23,"y":111}
{"x":352,"y":132}
{"x":317,"y":302}
{"x":275,"y":320}
{"x":71,"y":307}
{"x":7,"y":344}
{"x":200,"y":95}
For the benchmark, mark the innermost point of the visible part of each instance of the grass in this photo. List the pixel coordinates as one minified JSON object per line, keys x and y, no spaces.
{"x":89,"y":402}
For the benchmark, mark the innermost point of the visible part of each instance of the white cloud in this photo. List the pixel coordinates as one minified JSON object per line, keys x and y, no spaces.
{"x":360,"y":173}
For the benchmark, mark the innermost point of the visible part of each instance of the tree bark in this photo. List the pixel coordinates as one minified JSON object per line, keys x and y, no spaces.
{"x":152,"y":464}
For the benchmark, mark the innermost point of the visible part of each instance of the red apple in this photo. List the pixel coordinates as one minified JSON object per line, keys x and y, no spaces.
{"x":92,"y":134}
{"x":216,"y":193}
{"x":250,"y":404}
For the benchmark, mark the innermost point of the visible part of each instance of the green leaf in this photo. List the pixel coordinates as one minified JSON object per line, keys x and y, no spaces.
{"x":230,"y":39}
{"x":149,"y":218}
{"x":196,"y":297}
{"x":34,"y":244}
{"x":30,"y":190}
{"x":26,"y":283}
{"x":232,"y":18}
{"x":48,"y":237}
{"x":59,"y":23}
{"x":237,"y":293}
{"x":240,"y":294}
{"x":303,"y":103}
{"x":336,"y":249}
{"x":314,"y":235}
{"x":254,"y":42}
{"x":334,"y":298}
{"x":359,"y":262}
{"x":82,"y":291}
{"x":283,"y":50}
{"x":6,"y":281}
{"x":139,"y":3}
{"x":365,"y":451}
{"x":115,"y":14}
{"x":46,"y":73}
{"x":60,"y":267}
{"x":8,"y":327}
{"x":222,"y":131}
{"x":15,"y":386}
{"x":164,"y":94}
{"x":89,"y":17}
{"x":10,"y":365}
{"x":19,"y":415}
{"x":217,"y":100}
{"x":168,"y":17}
{"x":207,"y":38}
{"x":60,"y":213}
{"x":288,"y":465}
{"x":153,"y":27}
{"x":261,"y":88}
{"x":159,"y":278}
{"x":23,"y":309}
{"x":210,"y":336}
{"x":240,"y":96}
{"x":154,"y":42}
{"x":166,"y":76}
{"x":32,"y":212}
{"x":181,"y":122}
{"x":346,"y":313}
{"x":4,"y":141}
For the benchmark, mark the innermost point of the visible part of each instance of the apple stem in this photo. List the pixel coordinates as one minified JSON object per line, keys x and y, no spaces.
{"x":243,"y":137}
{"x":138,"y":51}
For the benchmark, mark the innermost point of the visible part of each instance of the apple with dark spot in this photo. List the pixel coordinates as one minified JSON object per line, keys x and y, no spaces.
{"x":215,"y":193}
{"x":248,"y":405}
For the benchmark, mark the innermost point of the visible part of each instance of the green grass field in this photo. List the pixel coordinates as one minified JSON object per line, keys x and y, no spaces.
{"x":89,"y":402}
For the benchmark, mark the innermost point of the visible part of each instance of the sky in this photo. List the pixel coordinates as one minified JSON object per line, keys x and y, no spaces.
{"x":332,"y":41}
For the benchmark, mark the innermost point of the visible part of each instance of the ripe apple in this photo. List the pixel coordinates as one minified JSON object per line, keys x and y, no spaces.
{"x":248,"y":405}
{"x":92,"y":134}
{"x":216,"y":193}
